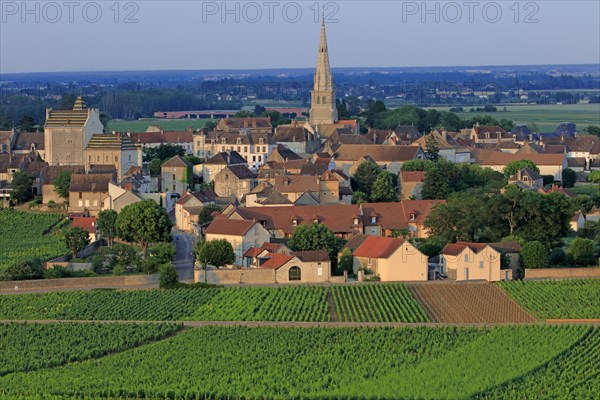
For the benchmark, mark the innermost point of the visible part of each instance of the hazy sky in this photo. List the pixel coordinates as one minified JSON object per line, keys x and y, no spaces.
{"x":150,"y":35}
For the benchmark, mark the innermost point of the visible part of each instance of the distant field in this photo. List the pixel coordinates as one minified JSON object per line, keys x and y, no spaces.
{"x":545,"y":116}
{"x":167,"y":124}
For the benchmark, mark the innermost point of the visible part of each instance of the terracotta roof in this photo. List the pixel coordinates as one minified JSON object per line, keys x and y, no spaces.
{"x":86,"y":223}
{"x":26,"y":139}
{"x":355,"y":242}
{"x":237,"y":227}
{"x":493,"y":132}
{"x":296,"y":183}
{"x":240,"y":171}
{"x":227,"y":158}
{"x":293,"y":134}
{"x":51,"y":172}
{"x":166,"y":137}
{"x":90,"y":182}
{"x":458,"y":247}
{"x":276,"y":261}
{"x":576,"y":162}
{"x":379,"y":153}
{"x":412,"y":176}
{"x":312,"y":255}
{"x":506,"y":247}
{"x":248,"y":122}
{"x":177,"y":161}
{"x":378,"y":247}
{"x":491,"y":157}
{"x":353,"y":139}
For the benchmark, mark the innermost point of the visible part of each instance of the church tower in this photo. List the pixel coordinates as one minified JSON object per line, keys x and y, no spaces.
{"x":323,"y":109}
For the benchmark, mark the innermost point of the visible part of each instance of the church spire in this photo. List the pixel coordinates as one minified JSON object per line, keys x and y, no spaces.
{"x":323,"y":108}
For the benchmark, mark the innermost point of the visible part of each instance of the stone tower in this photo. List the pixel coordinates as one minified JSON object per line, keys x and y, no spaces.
{"x":322,"y":105}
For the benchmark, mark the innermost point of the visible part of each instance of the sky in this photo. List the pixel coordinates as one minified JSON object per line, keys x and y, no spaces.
{"x":64,"y":35}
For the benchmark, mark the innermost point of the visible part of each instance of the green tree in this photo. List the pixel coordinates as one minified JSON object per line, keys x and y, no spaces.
{"x":432,"y":148}
{"x":155,"y":164}
{"x":593,"y":130}
{"x":511,"y":168}
{"x":75,"y":240}
{"x":163,"y":252}
{"x":583,"y":251}
{"x":21,"y":187}
{"x":383,"y":189}
{"x":62,"y":183}
{"x":163,"y":152}
{"x":359,"y":198}
{"x":583,"y":203}
{"x":206,"y":213}
{"x":594,"y":176}
{"x":347,"y":261}
{"x":569,"y":177}
{"x":365,"y":175}
{"x":216,"y":252}
{"x":125,"y":256}
{"x":417,"y":165}
{"x":22,"y":270}
{"x":26,"y":123}
{"x":107,"y":225}
{"x":168,"y":277}
{"x":443,"y":179}
{"x":314,"y":237}
{"x":534,"y":255}
{"x":144,"y":222}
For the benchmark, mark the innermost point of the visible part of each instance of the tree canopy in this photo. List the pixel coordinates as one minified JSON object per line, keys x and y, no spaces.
{"x":21,"y":187}
{"x":107,"y":225}
{"x":215,"y":252}
{"x":315,"y":237}
{"x":62,"y":183}
{"x":144,"y":222}
{"x":511,"y":168}
{"x":75,"y":239}
{"x":534,"y":255}
{"x":384,"y":188}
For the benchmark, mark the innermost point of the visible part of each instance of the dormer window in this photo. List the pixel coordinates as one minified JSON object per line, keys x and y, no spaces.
{"x":239,"y":141}
{"x":355,"y":221}
{"x":413,"y":216}
{"x":373,"y":219}
{"x":223,"y":140}
{"x":295,"y":222}
{"x":316,"y":220}
{"x":260,"y":140}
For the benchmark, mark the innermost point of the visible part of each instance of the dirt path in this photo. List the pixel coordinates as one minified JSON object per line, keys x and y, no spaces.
{"x":332,"y":309}
{"x":279,"y":324}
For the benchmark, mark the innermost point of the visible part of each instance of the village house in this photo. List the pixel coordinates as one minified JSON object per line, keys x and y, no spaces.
{"x":391,"y":259}
{"x":256,"y":256}
{"x":349,"y":156}
{"x":67,"y":133}
{"x":411,"y":184}
{"x":242,"y":234}
{"x":448,"y":147}
{"x":176,"y":175}
{"x":463,"y":261}
{"x":234,"y":181}
{"x":120,"y":197}
{"x":526,"y":178}
{"x":216,"y":163}
{"x":155,"y":136}
{"x":265,"y":195}
{"x":49,"y":175}
{"x":325,"y":188}
{"x":88,"y":224}
{"x":345,"y":220}
{"x":112,"y":149}
{"x":29,"y":143}
{"x":548,"y":164}
{"x":300,"y":266}
{"x":189,"y":207}
{"x":88,"y":192}
{"x":490,"y":134}
{"x":577,"y":221}
{"x":297,"y":138}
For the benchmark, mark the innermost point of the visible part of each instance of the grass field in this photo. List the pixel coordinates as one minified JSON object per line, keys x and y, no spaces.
{"x":331,"y":363}
{"x":167,"y":124}
{"x":586,"y":189}
{"x":545,"y":116}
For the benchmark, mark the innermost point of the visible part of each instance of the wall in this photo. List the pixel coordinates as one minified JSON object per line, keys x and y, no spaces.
{"x":558,"y":273}
{"x":309,"y":272}
{"x":95,"y":282}
{"x":237,"y":276}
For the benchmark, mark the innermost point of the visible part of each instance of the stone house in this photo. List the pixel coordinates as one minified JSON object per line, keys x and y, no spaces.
{"x":189,"y":207}
{"x":464,"y":261}
{"x":391,"y":259}
{"x":176,"y":175}
{"x":300,"y":266}
{"x":216,"y":163}
{"x":411,"y":184}
{"x":527,"y":178}
{"x":155,"y":136}
{"x":234,"y":181}
{"x":88,"y":192}
{"x":297,"y":138}
{"x":49,"y":175}
{"x":242,"y":234}
{"x":113,"y":149}
{"x":349,"y":156}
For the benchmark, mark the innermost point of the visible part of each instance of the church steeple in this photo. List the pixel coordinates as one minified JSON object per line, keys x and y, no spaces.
{"x":323,"y":109}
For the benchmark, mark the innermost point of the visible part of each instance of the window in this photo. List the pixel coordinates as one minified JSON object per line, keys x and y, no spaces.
{"x":106,"y":158}
{"x":295,"y":222}
{"x":80,"y":195}
{"x":466,"y":258}
{"x":80,"y":203}
{"x":412,"y":216}
{"x":295,"y":274}
{"x":355,"y":221}
{"x":90,"y":158}
{"x":253,"y":158}
{"x":174,"y":187}
{"x":173,"y":177}
{"x":98,"y":158}
{"x":373,"y":220}
{"x":259,"y":158}
{"x":95,"y":203}
{"x":480,"y":264}
{"x":222,"y":148}
{"x":87,"y":203}
{"x":245,"y":149}
{"x":260,"y":140}
{"x":319,"y":271}
{"x":117,"y":158}
{"x":239,"y":148}
{"x":223,"y":140}
{"x":238,"y":141}
{"x":130,"y":157}
{"x":226,"y":176}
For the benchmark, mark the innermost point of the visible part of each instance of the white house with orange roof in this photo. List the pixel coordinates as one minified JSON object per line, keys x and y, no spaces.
{"x":465,"y":261}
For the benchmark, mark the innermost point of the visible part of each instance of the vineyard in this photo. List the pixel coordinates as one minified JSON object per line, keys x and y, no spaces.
{"x":29,"y":347}
{"x":377,"y":303}
{"x":469,"y":303}
{"x":364,"y":303}
{"x":334,"y":363}
{"x":23,"y":236}
{"x":565,"y":299}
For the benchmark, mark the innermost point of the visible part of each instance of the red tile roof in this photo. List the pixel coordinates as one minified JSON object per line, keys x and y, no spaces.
{"x":457,"y":248}
{"x":378,"y":247}
{"x":86,"y":223}
{"x":276,"y":261}
{"x":412,"y":176}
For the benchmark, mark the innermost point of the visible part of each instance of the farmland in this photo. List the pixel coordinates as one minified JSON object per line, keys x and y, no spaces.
{"x":576,"y":299}
{"x":469,"y":303}
{"x":24,"y":236}
{"x":28,"y":347}
{"x":545,"y":116}
{"x":377,"y":303}
{"x":333,"y":363}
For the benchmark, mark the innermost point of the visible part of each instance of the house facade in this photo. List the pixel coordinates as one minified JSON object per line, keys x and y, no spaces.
{"x":463,"y":261}
{"x":175,"y":175}
{"x":242,"y":235}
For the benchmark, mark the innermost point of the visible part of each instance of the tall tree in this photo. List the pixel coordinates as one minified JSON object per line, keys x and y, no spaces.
{"x":443,"y":179}
{"x":432,"y":148}
{"x":384,"y":189}
{"x":569,"y":177}
{"x":21,"y":187}
{"x":75,"y":239}
{"x":511,"y":168}
{"x":107,"y":225}
{"x":534,"y":255}
{"x":206,"y":213}
{"x":215,"y":252}
{"x":314,"y":237}
{"x":584,"y":252}
{"x":144,"y":222}
{"x":62,"y":183}
{"x":365,"y":175}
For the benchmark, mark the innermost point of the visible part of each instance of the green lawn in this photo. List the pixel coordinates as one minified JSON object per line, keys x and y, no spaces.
{"x":545,"y":116}
{"x":167,"y":124}
{"x":586,"y":189}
